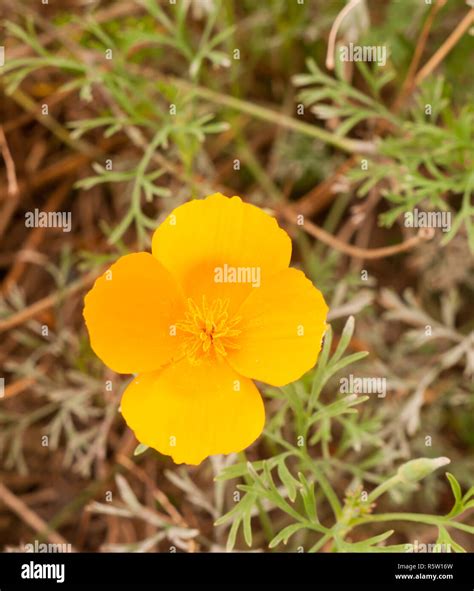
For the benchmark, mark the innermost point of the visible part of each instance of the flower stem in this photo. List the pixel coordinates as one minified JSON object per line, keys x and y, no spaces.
{"x":263,"y":517}
{"x":383,"y":488}
{"x":346,"y":144}
{"x":417,"y":517}
{"x":324,"y":483}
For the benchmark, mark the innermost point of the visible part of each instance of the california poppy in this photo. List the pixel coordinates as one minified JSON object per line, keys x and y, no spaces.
{"x":212,"y":308}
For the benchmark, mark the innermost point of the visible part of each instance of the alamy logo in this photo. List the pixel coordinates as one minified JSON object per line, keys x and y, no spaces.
{"x":363,"y":53}
{"x":428,"y":219}
{"x":228,"y":274}
{"x":48,"y":219}
{"x":355,"y":385}
{"x":32,"y":570}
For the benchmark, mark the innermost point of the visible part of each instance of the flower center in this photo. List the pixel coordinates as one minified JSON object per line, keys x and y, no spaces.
{"x":208,"y":329}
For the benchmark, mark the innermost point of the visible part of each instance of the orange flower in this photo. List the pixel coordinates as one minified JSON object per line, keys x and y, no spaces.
{"x":212,"y":308}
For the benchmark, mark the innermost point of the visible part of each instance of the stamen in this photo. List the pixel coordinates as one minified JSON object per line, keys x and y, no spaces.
{"x":208,"y":330}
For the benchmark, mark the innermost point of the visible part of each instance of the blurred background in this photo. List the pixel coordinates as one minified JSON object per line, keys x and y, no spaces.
{"x":117,"y":112}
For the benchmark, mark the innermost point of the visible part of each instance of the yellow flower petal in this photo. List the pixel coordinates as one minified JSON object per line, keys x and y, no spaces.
{"x":204,"y":235}
{"x":192,"y":411}
{"x":129,"y":312}
{"x":283,"y":323}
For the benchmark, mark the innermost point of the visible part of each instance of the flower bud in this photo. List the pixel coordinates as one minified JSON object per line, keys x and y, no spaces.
{"x":416,"y":470}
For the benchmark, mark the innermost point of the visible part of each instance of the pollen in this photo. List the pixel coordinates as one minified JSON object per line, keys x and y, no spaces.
{"x":208,"y":329}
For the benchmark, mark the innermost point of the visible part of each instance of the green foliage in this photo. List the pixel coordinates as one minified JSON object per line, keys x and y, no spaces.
{"x":346,"y":104}
{"x":296,"y":481}
{"x":429,"y":158}
{"x":153,"y":114}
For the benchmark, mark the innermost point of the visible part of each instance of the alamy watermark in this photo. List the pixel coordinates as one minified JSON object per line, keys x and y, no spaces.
{"x":428,"y":219}
{"x":356,"y":385}
{"x":420,"y":547}
{"x":363,"y":53}
{"x":43,"y":548}
{"x":229,"y":274}
{"x":48,"y":219}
